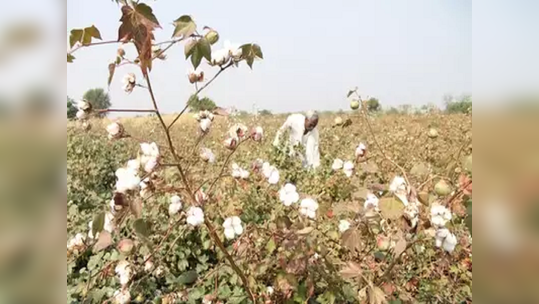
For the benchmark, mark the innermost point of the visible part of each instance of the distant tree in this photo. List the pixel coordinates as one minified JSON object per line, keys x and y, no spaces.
{"x":200,"y":104}
{"x":373,"y":105}
{"x":265,"y":113}
{"x":461,"y":105}
{"x":393,"y":110}
{"x":98,"y":98}
{"x":71,"y":109}
{"x":405,"y":108}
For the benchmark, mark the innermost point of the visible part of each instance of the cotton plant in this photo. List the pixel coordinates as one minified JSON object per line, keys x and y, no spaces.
{"x":361,"y":150}
{"x":195,"y":216}
{"x":288,"y":195}
{"x":344,"y":225}
{"x":371,"y":202}
{"x":122,"y":296}
{"x":446,"y":240}
{"x":439,"y":215}
{"x":207,"y":155}
{"x":129,"y":83}
{"x":205,"y":125}
{"x":399,"y":188}
{"x":257,"y":134}
{"x":123,"y":270}
{"x":150,"y":156}
{"x":337,"y":164}
{"x":127,"y":180}
{"x":238,"y":172}
{"x":232,"y":227}
{"x":76,"y":242}
{"x":115,"y":130}
{"x":84,"y":108}
{"x":175,"y":205}
{"x":348,"y":168}
{"x":308,"y":207}
{"x":271,"y":173}
{"x":195,"y":75}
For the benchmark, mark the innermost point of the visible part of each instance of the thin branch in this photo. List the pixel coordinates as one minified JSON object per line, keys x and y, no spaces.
{"x":76,"y":48}
{"x":225,"y":165}
{"x":126,"y":110}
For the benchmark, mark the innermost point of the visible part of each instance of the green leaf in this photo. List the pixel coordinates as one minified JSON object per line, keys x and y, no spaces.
{"x":205,"y":48}
{"x":196,"y":57}
{"x":147,"y":12}
{"x":98,"y":223}
{"x":184,"y":26}
{"x":141,"y":228}
{"x":391,"y":208}
{"x":75,"y":36}
{"x":92,"y":32}
{"x":250,"y":61}
{"x":350,"y":93}
{"x":257,"y":51}
{"x":196,"y":293}
{"x":189,"y":47}
{"x":270,"y":246}
{"x":70,"y":58}
{"x":188,"y":277}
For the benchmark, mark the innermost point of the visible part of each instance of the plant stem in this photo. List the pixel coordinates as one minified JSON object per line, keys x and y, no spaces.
{"x":208,"y":224}
{"x":91,"y":44}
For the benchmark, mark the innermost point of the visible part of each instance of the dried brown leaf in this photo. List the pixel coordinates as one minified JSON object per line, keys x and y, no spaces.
{"x":104,"y":241}
{"x":376,"y":295}
{"x":352,"y":270}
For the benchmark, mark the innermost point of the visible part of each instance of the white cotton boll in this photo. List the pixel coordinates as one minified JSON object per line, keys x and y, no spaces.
{"x":129,"y":81}
{"x":371,"y":202}
{"x":175,"y":205}
{"x":270,"y":290}
{"x":397,"y":185}
{"x":151,"y":164}
{"x":344,"y":225}
{"x":115,"y":130}
{"x":109,"y":223}
{"x":220,"y":57}
{"x":308,"y":207}
{"x":122,"y":297}
{"x":439,"y":215}
{"x":360,"y":150}
{"x":148,"y":266}
{"x":238,"y":130}
{"x":411,"y":213}
{"x":123,"y":270}
{"x":337,"y":164}
{"x":83,"y":105}
{"x":257,"y":134}
{"x":127,"y":180}
{"x":195,"y":216}
{"x":205,"y":125}
{"x":133,"y":165}
{"x":274,"y":177}
{"x":81,"y":115}
{"x":231,"y":143}
{"x":76,"y":241}
{"x":232,"y":227}
{"x":446,"y":240}
{"x":149,"y":149}
{"x":266,"y":169}
{"x":207,"y":155}
{"x":288,"y":195}
{"x":348,"y":168}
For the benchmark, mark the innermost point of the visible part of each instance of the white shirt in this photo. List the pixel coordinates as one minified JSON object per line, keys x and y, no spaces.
{"x":295,"y":124}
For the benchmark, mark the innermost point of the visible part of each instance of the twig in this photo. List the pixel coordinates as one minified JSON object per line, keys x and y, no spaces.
{"x":76,"y":48}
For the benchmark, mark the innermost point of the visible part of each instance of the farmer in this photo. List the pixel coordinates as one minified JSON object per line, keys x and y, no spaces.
{"x":303,"y":130}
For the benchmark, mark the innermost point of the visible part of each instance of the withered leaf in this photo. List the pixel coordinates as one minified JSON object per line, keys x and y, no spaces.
{"x":104,"y":241}
{"x":352,"y":270}
{"x":138,"y":24}
{"x":351,"y":239}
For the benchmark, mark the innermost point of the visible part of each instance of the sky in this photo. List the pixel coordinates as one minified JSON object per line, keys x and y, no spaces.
{"x":402,"y":52}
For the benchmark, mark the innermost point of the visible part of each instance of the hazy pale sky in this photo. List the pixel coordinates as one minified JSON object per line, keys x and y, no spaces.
{"x":399,"y":51}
